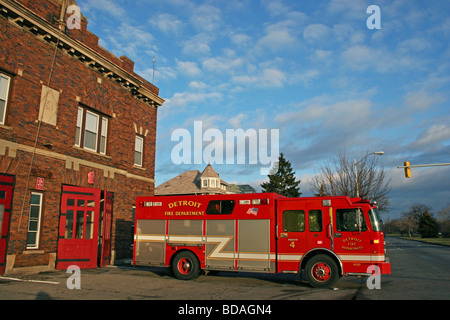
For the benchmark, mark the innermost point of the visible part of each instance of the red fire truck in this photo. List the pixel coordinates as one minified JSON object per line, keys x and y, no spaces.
{"x":324,"y":237}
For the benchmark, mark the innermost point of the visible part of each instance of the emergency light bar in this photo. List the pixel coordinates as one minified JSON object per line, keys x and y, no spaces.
{"x":150,"y":204}
{"x":255,"y":202}
{"x":326,"y":203}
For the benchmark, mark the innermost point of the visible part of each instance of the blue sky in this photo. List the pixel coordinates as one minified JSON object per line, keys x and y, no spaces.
{"x":311,"y":69}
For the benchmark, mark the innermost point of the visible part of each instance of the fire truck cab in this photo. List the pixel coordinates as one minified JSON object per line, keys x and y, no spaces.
{"x":324,"y":237}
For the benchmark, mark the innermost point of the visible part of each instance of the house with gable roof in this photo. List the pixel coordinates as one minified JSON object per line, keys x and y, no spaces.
{"x":194,"y":182}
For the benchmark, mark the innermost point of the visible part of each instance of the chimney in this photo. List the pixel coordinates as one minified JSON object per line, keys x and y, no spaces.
{"x":127,"y":64}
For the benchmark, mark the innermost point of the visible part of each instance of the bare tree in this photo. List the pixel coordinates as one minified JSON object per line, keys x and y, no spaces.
{"x":338,"y":178}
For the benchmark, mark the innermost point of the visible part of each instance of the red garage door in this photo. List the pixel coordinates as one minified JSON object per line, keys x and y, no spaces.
{"x":6,"y":192}
{"x":85,"y":218}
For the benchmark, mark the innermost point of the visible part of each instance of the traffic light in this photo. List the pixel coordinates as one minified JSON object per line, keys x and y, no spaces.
{"x":407,"y":169}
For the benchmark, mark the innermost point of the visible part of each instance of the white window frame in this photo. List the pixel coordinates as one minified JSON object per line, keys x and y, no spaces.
{"x":93,"y":132}
{"x":101,"y":130}
{"x":79,"y":133}
{"x":104,"y":136}
{"x":141,"y":151}
{"x":38,"y":221}
{"x":8,"y":85}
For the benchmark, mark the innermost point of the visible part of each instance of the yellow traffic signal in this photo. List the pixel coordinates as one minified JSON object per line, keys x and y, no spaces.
{"x":407,"y":169}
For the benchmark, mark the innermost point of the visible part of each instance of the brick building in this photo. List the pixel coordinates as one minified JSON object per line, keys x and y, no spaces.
{"x":77,"y":141}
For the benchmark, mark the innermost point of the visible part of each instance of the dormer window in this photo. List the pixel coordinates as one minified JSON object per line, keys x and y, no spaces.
{"x":204,"y":183}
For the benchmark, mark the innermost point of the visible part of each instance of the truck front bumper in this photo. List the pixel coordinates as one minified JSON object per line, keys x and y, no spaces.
{"x":385,"y":266}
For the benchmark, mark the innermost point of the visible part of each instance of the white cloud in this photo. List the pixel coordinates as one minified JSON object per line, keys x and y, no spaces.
{"x":269,"y":77}
{"x":197,"y":45}
{"x":107,"y":6}
{"x":421,"y":100}
{"x":188,"y":68}
{"x":240,"y":39}
{"x":361,"y":57}
{"x":348,"y":9}
{"x":190,"y":99}
{"x":434,"y":135}
{"x":277,"y":40}
{"x":222,"y":65}
{"x":167,"y":23}
{"x":282,"y":35}
{"x":316,"y":32}
{"x":275,"y":7}
{"x":206,"y":18}
{"x":342,"y":114}
{"x":165,"y":73}
{"x":198,"y":85}
{"x":236,"y":122}
{"x":415,"y":44}
{"x":131,"y":40}
{"x":320,"y":127}
{"x":309,"y":75}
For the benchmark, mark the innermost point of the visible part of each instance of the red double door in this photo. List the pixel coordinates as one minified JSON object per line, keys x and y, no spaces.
{"x":6,"y":193}
{"x":84,"y":228}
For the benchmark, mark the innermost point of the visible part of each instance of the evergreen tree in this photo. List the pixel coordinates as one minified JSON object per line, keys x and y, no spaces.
{"x":428,"y":226}
{"x":282,"y":180}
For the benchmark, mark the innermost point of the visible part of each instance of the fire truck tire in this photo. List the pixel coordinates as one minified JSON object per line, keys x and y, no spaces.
{"x":185,"y":266}
{"x":321,"y":271}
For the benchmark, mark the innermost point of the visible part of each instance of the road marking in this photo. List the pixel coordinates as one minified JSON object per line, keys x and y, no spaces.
{"x":33,"y":281}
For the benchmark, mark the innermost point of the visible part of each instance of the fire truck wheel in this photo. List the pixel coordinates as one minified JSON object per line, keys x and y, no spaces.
{"x":185,"y":266}
{"x":321,"y":271}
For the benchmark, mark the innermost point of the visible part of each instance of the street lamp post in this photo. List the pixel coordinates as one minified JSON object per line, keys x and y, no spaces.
{"x":379,"y":153}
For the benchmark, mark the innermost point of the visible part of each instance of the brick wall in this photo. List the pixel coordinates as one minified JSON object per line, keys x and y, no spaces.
{"x":28,"y":59}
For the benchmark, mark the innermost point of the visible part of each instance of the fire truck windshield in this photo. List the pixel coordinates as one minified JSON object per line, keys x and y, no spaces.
{"x":375,"y":220}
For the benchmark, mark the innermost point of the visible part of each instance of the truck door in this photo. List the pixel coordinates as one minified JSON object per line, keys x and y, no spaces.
{"x":318,"y":222}
{"x":291,"y":234}
{"x":302,"y":225}
{"x":351,"y":236}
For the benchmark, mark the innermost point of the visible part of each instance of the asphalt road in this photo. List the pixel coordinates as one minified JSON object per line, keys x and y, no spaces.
{"x":419,"y":272}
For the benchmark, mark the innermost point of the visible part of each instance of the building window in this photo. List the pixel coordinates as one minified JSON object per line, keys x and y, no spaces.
{"x":92,"y":131}
{"x":138,"y":151}
{"x":34,"y":222}
{"x":104,"y":136}
{"x":204,"y":183}
{"x":4,"y":91}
